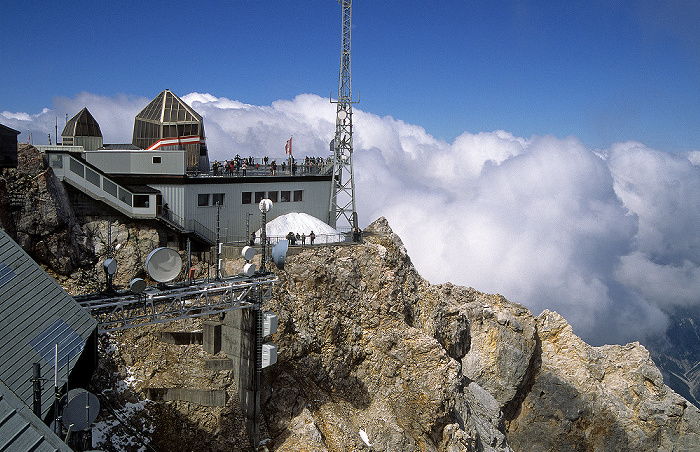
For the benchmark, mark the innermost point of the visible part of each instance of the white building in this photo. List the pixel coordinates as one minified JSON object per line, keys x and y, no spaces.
{"x":164,"y":174}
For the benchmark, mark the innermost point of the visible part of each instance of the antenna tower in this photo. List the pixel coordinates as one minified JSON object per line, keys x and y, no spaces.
{"x":342,"y":199}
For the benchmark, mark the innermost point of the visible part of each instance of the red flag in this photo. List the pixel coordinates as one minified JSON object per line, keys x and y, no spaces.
{"x":288,"y":147}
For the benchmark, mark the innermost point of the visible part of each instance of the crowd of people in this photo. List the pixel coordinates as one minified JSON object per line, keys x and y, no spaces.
{"x":250,"y":166}
{"x":294,"y":238}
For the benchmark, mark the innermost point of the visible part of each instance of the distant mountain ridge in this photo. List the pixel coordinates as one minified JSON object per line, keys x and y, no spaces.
{"x":678,"y":353}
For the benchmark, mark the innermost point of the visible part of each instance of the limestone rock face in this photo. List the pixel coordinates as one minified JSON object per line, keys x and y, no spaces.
{"x":366,"y":346}
{"x":44,"y":224}
{"x":600,"y":398}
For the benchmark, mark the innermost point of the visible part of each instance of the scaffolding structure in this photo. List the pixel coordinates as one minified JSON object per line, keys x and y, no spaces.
{"x":342,"y":198}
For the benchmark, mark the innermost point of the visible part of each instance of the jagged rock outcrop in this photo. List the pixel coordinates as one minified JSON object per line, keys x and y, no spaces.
{"x":599,"y":398}
{"x":44,"y":224}
{"x":365,"y":343}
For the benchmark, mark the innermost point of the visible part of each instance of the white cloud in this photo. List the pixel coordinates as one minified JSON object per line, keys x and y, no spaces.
{"x":606,"y":237}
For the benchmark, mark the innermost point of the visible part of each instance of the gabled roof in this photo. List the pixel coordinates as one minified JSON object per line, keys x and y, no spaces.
{"x":82,"y":125}
{"x":7,"y":130}
{"x":21,"y":430}
{"x":35,"y":315}
{"x":168,"y":108}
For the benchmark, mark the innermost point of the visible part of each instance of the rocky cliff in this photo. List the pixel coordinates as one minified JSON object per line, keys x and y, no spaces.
{"x":35,"y":211}
{"x":365,"y":343}
{"x":368,"y":348}
{"x":371,"y":357}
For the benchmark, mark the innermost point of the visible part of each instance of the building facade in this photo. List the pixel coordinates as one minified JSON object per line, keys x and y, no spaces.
{"x":156,"y":177}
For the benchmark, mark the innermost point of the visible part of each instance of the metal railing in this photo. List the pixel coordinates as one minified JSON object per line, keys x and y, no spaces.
{"x":261,"y":169}
{"x":164,"y":304}
{"x":97,"y":185}
{"x":187,"y":226}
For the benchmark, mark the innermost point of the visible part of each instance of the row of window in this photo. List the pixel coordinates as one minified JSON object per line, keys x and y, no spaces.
{"x":108,"y":186}
{"x":274,"y":196}
{"x":212,"y":199}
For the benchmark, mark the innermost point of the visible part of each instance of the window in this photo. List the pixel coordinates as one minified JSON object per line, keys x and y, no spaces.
{"x":110,"y":187}
{"x":298,"y":195}
{"x":203,"y":199}
{"x":272,"y":195}
{"x":140,"y":200}
{"x":259,"y":196}
{"x":284,"y":196}
{"x":246,"y":197}
{"x":124,"y":196}
{"x":217,"y":198}
{"x":156,"y":159}
{"x":92,"y":177}
{"x":77,"y":168}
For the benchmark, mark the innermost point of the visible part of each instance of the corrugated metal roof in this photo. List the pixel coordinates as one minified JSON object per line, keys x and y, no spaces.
{"x":83,"y":124}
{"x":35,"y":314}
{"x":21,"y":431}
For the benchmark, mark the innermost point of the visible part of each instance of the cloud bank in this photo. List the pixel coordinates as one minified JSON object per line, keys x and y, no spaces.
{"x":607,"y":237}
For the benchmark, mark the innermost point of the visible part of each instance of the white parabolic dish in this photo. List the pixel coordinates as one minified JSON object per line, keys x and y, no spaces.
{"x":163,"y":264}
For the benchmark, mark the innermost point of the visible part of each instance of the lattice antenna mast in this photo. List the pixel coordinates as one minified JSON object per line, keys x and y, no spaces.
{"x":342,"y":199}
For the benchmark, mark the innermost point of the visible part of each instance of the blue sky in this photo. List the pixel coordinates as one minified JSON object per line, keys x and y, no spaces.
{"x":602,"y":71}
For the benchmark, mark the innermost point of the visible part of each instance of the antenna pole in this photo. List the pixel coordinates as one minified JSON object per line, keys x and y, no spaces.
{"x":263,"y":240}
{"x":36,"y":389}
{"x":56,"y":394}
{"x":218,"y":243}
{"x":189,"y":261}
{"x":342,"y":196}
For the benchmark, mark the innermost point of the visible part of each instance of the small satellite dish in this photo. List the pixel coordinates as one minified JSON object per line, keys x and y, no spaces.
{"x":163,"y":264}
{"x":249,"y":269}
{"x":110,"y":266}
{"x":265,"y":205}
{"x":248,"y":252}
{"x":80,"y":409}
{"x":137,"y":285}
{"x":279,"y":253}
{"x":342,"y":114}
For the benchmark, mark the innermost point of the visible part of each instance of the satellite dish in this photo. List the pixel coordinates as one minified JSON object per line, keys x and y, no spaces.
{"x":137,"y":285}
{"x":163,"y":264}
{"x":80,"y":409}
{"x":342,"y":114}
{"x":279,"y":253}
{"x":249,"y":269}
{"x":248,"y":252}
{"x":265,"y":205}
{"x":110,"y":266}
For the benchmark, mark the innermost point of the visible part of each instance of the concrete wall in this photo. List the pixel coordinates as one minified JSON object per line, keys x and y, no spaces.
{"x":238,"y":342}
{"x":180,"y":337}
{"x":135,"y":162}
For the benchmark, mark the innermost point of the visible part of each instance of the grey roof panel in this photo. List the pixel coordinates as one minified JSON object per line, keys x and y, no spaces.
{"x":35,"y":314}
{"x":21,"y":430}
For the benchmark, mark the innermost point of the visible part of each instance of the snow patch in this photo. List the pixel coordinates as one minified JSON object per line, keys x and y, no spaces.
{"x":300,"y":223}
